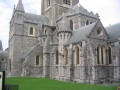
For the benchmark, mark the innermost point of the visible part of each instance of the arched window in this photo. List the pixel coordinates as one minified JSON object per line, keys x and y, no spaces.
{"x":71,"y":24}
{"x":31,"y":31}
{"x":103,"y":55}
{"x":65,"y":56}
{"x":45,"y":32}
{"x":77,"y":54}
{"x":37,"y":60}
{"x":87,"y":22}
{"x":56,"y":57}
{"x":66,"y":2}
{"x":98,"y":55}
{"x":10,"y":64}
{"x":109,"y":53}
{"x":48,"y":3}
{"x":91,"y":22}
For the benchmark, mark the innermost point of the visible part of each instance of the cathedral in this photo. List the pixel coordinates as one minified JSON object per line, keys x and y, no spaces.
{"x":66,"y":42}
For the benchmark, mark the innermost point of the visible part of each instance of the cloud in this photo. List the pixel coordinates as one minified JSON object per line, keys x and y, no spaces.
{"x":107,"y":9}
{"x":5,"y":13}
{"x":6,"y":9}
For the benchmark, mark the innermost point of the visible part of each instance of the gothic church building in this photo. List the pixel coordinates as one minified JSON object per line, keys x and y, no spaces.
{"x":65,"y":42}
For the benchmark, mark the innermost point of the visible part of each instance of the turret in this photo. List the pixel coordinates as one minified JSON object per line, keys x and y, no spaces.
{"x":65,"y":31}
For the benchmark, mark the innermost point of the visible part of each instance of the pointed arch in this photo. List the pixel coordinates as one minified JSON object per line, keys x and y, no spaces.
{"x":103,"y":55}
{"x":77,"y":54}
{"x":91,"y":22}
{"x":37,"y":62}
{"x":65,"y":56}
{"x":48,"y":3}
{"x":31,"y":31}
{"x":109,"y":54}
{"x":56,"y":57}
{"x":87,"y":22}
{"x":71,"y":24}
{"x":10,"y":65}
{"x":98,"y":55}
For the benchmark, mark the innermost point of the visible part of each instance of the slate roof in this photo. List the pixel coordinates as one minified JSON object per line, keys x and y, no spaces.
{"x":3,"y":54}
{"x":36,"y":18}
{"x":81,"y":33}
{"x":113,"y":32}
{"x":78,"y":8}
{"x":30,"y":50}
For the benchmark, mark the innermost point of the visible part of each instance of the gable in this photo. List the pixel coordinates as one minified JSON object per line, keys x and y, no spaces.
{"x":81,"y":33}
{"x":99,"y":32}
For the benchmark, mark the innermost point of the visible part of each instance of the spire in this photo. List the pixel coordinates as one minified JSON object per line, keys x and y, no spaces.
{"x":1,"y":47}
{"x":20,"y":6}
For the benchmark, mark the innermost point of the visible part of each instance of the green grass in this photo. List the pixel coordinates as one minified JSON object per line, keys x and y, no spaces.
{"x":27,"y":83}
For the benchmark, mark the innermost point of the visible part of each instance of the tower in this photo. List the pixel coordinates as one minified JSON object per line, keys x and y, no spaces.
{"x":64,"y":34}
{"x":22,"y":37}
{"x":54,"y":8}
{"x":15,"y":40}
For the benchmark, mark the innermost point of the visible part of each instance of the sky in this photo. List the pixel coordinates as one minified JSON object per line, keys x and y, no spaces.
{"x":108,"y":10}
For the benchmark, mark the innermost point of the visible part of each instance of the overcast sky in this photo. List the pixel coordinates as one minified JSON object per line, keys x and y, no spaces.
{"x":108,"y":10}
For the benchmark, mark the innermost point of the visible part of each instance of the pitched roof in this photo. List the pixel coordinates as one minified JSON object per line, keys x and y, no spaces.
{"x":36,"y":18}
{"x":113,"y":32}
{"x":79,"y":8}
{"x":3,"y":54}
{"x":20,"y":6}
{"x":81,"y":33}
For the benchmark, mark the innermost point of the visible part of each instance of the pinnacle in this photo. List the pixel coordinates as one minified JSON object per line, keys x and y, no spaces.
{"x":20,"y":6}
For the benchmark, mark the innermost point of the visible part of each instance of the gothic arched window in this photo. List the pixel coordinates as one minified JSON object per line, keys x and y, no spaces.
{"x":98,"y":55}
{"x":65,"y":56}
{"x":48,"y":3}
{"x":66,"y":2}
{"x":109,"y":53}
{"x":91,"y":22}
{"x":103,"y":55}
{"x":10,"y":64}
{"x":31,"y":31}
{"x":37,"y":60}
{"x":56,"y":57}
{"x":87,"y":22}
{"x":77,"y":54}
{"x":71,"y":24}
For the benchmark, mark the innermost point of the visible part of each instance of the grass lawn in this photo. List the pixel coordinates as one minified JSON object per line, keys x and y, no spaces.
{"x":27,"y":83}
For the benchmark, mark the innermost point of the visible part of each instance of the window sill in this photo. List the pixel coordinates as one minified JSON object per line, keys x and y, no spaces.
{"x":31,"y":35}
{"x":37,"y":66}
